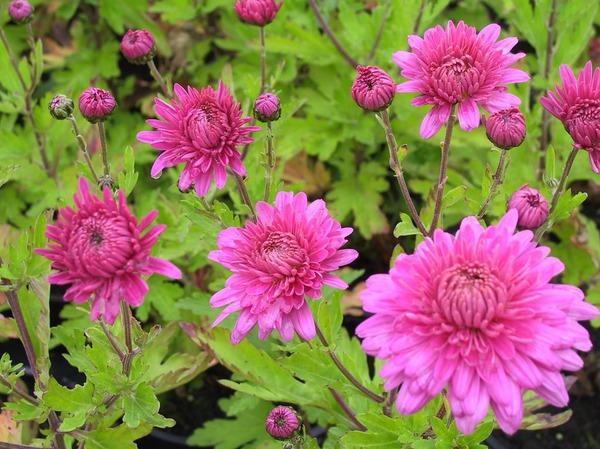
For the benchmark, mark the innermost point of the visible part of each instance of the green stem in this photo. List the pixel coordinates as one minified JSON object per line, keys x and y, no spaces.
{"x":557,"y":193}
{"x":83,"y":146}
{"x":347,"y":409}
{"x":245,"y":195}
{"x":158,"y":77}
{"x":397,"y":168}
{"x":497,"y":180}
{"x":443,"y":178}
{"x":337,"y":362}
{"x":102,"y":134}
{"x":270,"y":156}
{"x":263,"y":61}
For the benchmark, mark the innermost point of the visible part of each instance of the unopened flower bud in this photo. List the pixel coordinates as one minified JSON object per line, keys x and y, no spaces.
{"x":20,"y":11}
{"x":267,"y":108}
{"x":106,"y":181}
{"x":138,"y":46}
{"x":373,"y":89}
{"x":506,"y":128}
{"x":283,"y":423}
{"x":96,"y":105}
{"x":257,"y":12}
{"x":531,"y":205}
{"x":61,"y":107}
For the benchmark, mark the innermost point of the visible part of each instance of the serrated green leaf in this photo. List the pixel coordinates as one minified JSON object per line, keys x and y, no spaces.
{"x":121,"y":437}
{"x":453,"y":196}
{"x":486,"y":181}
{"x":405,"y":227}
{"x":63,"y":399}
{"x":141,"y":406}
{"x":7,"y":172}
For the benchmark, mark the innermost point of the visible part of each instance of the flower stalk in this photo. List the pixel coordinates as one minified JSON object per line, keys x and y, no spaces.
{"x":161,"y":81}
{"x":497,"y":180}
{"x":83,"y":146}
{"x":270,"y":163}
{"x":263,"y":61}
{"x":102,"y":134}
{"x":245,"y":195}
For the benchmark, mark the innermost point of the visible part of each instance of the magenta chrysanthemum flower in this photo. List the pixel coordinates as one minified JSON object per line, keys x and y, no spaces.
{"x":459,"y":66}
{"x":202,"y":130}
{"x":138,"y":46}
{"x":506,"y":128}
{"x":531,"y":205}
{"x":99,"y":249}
{"x":476,"y":312}
{"x":286,"y":255}
{"x":577,"y":106}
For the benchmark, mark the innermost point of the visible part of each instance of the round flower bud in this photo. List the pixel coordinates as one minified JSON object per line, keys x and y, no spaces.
{"x":20,"y":11}
{"x":96,"y":105}
{"x":373,"y":89}
{"x":283,"y":423}
{"x":531,"y":205}
{"x":506,"y":128}
{"x":267,"y":108}
{"x":61,"y":107}
{"x":257,"y":12}
{"x":138,"y":46}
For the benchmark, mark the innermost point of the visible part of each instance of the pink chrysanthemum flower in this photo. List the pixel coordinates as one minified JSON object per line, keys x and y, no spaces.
{"x":476,"y":312}
{"x":202,"y":130}
{"x":577,"y":106}
{"x":283,"y":422}
{"x":459,"y":66}
{"x":99,"y":249}
{"x":286,"y":255}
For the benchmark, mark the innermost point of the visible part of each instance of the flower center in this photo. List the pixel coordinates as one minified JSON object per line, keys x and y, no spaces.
{"x":470,"y":296}
{"x":282,"y":250}
{"x":455,"y":79}
{"x":533,"y":200}
{"x":205,"y":127}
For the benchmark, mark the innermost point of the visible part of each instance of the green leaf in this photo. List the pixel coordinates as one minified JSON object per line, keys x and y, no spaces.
{"x":128,"y":179}
{"x":550,"y":164}
{"x":63,"y":399}
{"x":566,"y":204}
{"x":405,"y":227}
{"x":482,"y":431}
{"x":486,"y":181}
{"x":141,"y":406}
{"x":6,"y":173}
{"x":382,"y":432}
{"x":121,"y":437}
{"x":453,"y":196}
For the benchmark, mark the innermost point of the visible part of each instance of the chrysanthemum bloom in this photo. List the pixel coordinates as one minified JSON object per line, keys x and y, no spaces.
{"x":20,"y":11}
{"x":61,"y":107}
{"x":287,"y":255}
{"x":531,"y":205}
{"x":373,"y":89}
{"x":202,"y":130}
{"x":457,"y":66}
{"x":257,"y":12}
{"x":577,"y":105}
{"x":282,"y":423}
{"x":476,"y":313}
{"x":96,"y":105}
{"x":267,"y":108}
{"x":99,"y":249}
{"x":138,"y":46}
{"x":506,"y":128}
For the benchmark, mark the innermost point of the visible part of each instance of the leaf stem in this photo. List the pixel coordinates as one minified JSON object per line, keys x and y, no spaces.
{"x":158,"y":77}
{"x":270,"y":164}
{"x":245,"y":195}
{"x":497,"y":180}
{"x":353,"y":380}
{"x":328,"y":31}
{"x":347,"y":410}
{"x":83,"y":146}
{"x":397,"y":168}
{"x":102,"y":134}
{"x":441,"y":183}
{"x":18,"y":391}
{"x":557,"y":193}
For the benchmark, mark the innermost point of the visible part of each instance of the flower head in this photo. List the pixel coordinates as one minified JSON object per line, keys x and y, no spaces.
{"x":99,"y":249}
{"x":577,"y":105}
{"x":20,"y":11}
{"x":506,"y":128}
{"x":138,"y":46}
{"x":283,"y":422}
{"x":202,"y":130}
{"x":531,"y":205}
{"x":457,"y":66}
{"x":61,"y":107}
{"x":267,"y":108}
{"x":373,"y":89}
{"x":257,"y":12}
{"x":286,"y":256}
{"x":476,"y":312}
{"x":96,"y":105}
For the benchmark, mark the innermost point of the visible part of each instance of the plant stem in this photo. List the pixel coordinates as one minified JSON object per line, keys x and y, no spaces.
{"x":102,"y":134}
{"x":545,"y":135}
{"x":397,"y":168}
{"x":347,"y":410}
{"x":263,"y":61}
{"x":270,"y":155}
{"x":111,"y":339}
{"x":245,"y":195}
{"x":208,"y":213}
{"x":158,"y":77}
{"x":41,"y":142}
{"x":4,"y":445}
{"x":18,"y":391}
{"x":441,"y":183}
{"x":126,"y":314}
{"x":353,"y":380}
{"x":327,"y":30}
{"x":83,"y":146}
{"x":377,"y":40}
{"x":389,"y":402}
{"x":497,"y":180}
{"x":557,"y":193}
